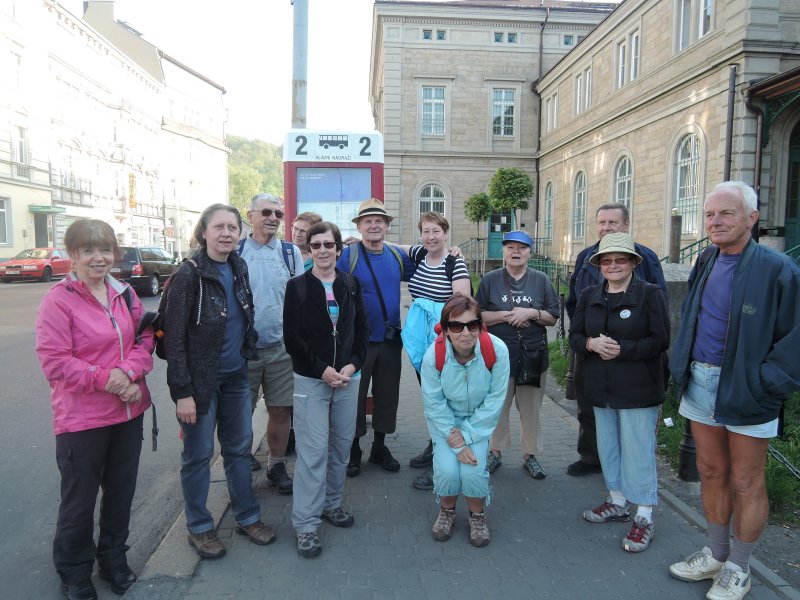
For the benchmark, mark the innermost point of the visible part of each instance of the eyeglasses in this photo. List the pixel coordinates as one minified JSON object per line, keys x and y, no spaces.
{"x":267,"y":212}
{"x":620,"y":260}
{"x":297,"y":229}
{"x":458,"y":326}
{"x":318,"y":245}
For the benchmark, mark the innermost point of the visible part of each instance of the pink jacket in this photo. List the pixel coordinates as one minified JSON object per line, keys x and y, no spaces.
{"x":79,"y":342}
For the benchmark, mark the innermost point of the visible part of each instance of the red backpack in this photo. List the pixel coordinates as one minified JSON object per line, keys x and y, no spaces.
{"x":487,"y":348}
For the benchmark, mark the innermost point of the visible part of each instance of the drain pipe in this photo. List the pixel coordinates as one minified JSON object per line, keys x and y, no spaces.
{"x":759,"y":112}
{"x":729,"y":124}
{"x":539,"y":100}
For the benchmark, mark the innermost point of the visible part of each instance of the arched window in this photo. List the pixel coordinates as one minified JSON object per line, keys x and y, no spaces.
{"x":687,"y":181}
{"x":623,"y":181}
{"x":431,"y":198}
{"x":579,"y":206}
{"x":548,"y":211}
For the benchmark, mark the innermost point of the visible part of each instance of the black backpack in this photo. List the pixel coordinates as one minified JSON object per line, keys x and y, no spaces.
{"x":160,"y":318}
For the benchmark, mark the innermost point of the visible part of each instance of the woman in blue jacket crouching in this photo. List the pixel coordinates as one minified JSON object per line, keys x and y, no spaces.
{"x":463,"y":390}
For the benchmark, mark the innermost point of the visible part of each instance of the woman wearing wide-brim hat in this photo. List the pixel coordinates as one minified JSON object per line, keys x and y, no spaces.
{"x":619,"y":332}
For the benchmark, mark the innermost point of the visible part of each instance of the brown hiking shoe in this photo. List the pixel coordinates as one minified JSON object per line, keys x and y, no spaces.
{"x":258,"y":532}
{"x":443,"y":526}
{"x":478,"y":530}
{"x":207,"y":544}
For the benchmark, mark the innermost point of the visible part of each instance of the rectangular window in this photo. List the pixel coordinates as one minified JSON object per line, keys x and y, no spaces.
{"x":635,"y":55}
{"x":706,"y":12}
{"x":21,"y":146}
{"x":441,"y":34}
{"x":568,"y":40}
{"x":684,"y":22}
{"x":551,"y":113}
{"x":579,"y":94}
{"x":622,"y":51}
{"x":503,"y":112}
{"x":5,"y":236}
{"x":498,"y":36}
{"x":587,"y":82}
{"x":583,"y":90}
{"x":427,"y":34}
{"x":433,"y":110}
{"x":512,"y":38}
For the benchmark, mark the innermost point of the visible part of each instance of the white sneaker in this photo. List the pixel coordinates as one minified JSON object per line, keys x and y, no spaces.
{"x":731,"y":583}
{"x":696,"y":567}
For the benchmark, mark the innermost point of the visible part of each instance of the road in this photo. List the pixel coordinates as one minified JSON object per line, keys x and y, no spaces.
{"x":29,"y":478}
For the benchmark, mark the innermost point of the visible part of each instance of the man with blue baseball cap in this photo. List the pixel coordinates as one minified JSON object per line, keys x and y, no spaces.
{"x":517,"y":303}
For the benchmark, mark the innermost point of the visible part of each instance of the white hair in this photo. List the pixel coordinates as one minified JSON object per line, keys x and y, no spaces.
{"x":745,"y":192}
{"x":263,"y":197}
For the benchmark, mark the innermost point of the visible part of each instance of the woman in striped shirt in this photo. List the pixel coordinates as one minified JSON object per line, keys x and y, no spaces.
{"x":438,"y":276}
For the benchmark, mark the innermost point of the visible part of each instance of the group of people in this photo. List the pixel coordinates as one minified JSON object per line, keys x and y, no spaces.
{"x":315,"y":327}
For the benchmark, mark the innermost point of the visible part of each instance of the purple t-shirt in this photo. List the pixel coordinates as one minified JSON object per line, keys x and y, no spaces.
{"x":715,"y":306}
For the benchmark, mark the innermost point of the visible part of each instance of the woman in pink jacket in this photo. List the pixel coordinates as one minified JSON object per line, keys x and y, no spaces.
{"x":86,"y":343}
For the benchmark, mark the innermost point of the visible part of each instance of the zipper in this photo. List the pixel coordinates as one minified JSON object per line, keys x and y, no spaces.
{"x":115,"y":325}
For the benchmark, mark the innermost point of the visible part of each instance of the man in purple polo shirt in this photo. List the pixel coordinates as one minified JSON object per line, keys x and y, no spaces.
{"x":734,"y":359}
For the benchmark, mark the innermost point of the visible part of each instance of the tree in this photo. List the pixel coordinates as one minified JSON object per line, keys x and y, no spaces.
{"x":509,"y":190}
{"x":253,"y":166}
{"x":478,"y":208}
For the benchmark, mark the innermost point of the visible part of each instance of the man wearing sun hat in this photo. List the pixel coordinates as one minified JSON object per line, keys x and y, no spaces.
{"x":611,"y":218}
{"x":379,"y":268}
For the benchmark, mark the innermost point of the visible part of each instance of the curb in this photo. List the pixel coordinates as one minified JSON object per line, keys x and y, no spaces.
{"x":769,"y":577}
{"x":174,"y":558}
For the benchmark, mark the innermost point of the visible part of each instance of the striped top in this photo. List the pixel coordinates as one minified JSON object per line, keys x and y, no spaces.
{"x":333,"y":307}
{"x":432,"y":282}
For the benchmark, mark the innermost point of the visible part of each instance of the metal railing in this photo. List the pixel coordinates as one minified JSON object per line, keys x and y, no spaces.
{"x":689,"y":253}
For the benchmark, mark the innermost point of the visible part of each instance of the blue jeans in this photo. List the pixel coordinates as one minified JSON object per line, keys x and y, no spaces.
{"x":451,"y":477}
{"x":626,"y":441}
{"x":229,"y":413}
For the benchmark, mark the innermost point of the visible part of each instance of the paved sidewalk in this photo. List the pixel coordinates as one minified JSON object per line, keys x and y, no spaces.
{"x":540,"y":548}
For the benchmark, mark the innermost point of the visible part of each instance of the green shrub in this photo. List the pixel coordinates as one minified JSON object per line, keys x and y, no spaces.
{"x":559,"y":362}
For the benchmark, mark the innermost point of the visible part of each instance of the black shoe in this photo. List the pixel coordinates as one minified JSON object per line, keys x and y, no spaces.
{"x":580,"y":468}
{"x":278,"y":477}
{"x":381,"y":456}
{"x":121,"y":578}
{"x":79,"y":591}
{"x":254,"y":464}
{"x":290,"y":443}
{"x":354,"y":466}
{"x":424,"y":481}
{"x":425,"y":459}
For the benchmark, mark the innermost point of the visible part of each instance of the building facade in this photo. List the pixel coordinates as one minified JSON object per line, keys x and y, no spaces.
{"x":97,"y":122}
{"x":452,"y":86}
{"x":672,"y":108}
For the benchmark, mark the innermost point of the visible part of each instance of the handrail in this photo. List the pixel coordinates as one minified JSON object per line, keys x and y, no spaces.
{"x":690,"y":252}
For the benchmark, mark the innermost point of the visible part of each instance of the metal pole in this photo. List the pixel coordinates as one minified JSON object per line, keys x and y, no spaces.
{"x":675,"y":226}
{"x":729,"y":125}
{"x":687,"y":455}
{"x":299,"y":64}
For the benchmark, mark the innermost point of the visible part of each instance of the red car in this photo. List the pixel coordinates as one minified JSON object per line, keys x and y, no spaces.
{"x":36,"y":263}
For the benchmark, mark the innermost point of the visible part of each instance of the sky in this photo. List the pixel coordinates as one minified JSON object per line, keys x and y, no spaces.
{"x":246,"y":46}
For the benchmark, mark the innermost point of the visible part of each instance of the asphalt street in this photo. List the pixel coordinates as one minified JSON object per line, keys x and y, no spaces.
{"x":29,"y":478}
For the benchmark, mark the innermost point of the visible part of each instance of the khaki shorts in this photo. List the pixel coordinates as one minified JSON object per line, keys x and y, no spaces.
{"x":272,"y":373}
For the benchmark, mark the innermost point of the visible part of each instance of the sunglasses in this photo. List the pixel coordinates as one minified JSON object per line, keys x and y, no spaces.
{"x":458,"y":326}
{"x":318,"y":245}
{"x":267,"y":212}
{"x":620,"y":260}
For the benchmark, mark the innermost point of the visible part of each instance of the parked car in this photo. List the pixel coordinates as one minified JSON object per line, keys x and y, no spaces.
{"x":146,"y":268}
{"x":36,"y":263}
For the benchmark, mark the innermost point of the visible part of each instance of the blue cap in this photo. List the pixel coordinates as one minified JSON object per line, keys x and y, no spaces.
{"x":518,"y":236}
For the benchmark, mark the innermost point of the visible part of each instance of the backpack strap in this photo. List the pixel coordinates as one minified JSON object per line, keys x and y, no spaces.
{"x":399,"y":258}
{"x":441,"y":347}
{"x":354,"y":251}
{"x":450,"y":267}
{"x":288,"y":256}
{"x":240,"y":246}
{"x":392,"y":249}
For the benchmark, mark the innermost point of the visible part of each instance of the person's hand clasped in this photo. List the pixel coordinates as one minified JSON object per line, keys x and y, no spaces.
{"x":467,"y":457}
{"x":132,"y":393}
{"x":336,"y":379}
{"x":456,"y":438}
{"x":521,"y":317}
{"x":605,"y":347}
{"x":186,"y":410}
{"x":118,"y":381}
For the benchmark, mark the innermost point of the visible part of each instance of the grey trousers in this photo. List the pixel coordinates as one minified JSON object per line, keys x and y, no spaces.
{"x":324,"y":427}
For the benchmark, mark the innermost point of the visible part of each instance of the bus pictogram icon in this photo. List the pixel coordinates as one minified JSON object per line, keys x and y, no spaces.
{"x":340,"y":141}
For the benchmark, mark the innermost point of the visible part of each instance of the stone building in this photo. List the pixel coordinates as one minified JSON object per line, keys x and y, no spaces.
{"x":452,"y":87}
{"x":664,"y":99}
{"x":97,"y":122}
